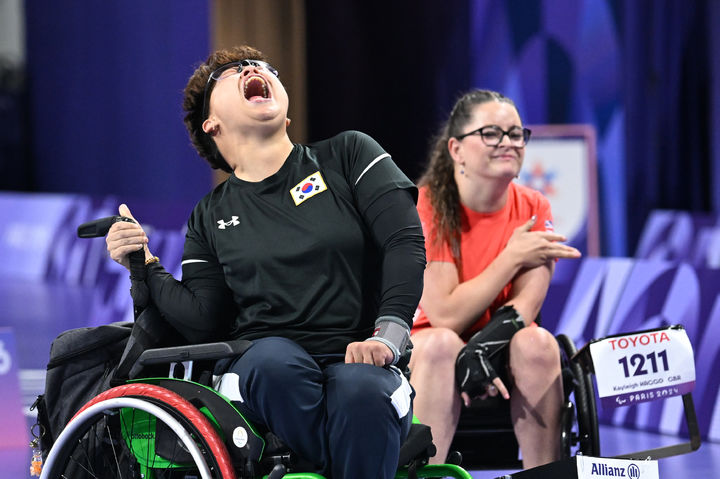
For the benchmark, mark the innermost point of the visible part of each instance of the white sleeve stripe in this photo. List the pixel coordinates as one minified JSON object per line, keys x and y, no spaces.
{"x":372,"y":163}
{"x":188,"y":261}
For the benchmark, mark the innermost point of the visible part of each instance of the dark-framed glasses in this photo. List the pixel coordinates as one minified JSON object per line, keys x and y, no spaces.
{"x":492,"y":135}
{"x":232,"y":67}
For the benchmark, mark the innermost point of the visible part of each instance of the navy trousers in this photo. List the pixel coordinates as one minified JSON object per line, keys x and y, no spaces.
{"x":348,"y":419}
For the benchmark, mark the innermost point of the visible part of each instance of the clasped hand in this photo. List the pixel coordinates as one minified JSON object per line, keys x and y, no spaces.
{"x":536,"y":248}
{"x":124,"y":238}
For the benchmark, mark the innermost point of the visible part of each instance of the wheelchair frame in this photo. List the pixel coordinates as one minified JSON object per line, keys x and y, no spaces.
{"x":202,"y":437}
{"x":201,"y":443}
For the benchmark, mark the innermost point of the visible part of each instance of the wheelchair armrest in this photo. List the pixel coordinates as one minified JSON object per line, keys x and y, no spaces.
{"x":194,"y":352}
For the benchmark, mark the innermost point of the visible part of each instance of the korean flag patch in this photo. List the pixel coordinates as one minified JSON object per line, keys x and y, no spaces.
{"x":307,"y":188}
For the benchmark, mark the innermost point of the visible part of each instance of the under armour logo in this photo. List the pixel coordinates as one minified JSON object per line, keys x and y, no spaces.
{"x":224,"y":224}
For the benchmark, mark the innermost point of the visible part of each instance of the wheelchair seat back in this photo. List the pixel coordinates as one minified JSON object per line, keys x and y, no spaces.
{"x":485,"y":437}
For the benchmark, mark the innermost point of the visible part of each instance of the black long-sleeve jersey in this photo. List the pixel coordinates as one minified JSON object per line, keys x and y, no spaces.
{"x":315,"y":253}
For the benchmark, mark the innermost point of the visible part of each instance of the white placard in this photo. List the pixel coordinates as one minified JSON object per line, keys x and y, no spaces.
{"x":560,"y":163}
{"x":644,"y":366}
{"x":554,"y":166}
{"x":599,"y":467}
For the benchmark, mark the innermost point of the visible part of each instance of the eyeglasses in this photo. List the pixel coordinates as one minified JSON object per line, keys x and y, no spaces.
{"x":236,"y":67}
{"x":492,"y":135}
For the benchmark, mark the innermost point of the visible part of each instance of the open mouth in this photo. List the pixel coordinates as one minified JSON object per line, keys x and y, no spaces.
{"x":256,"y":89}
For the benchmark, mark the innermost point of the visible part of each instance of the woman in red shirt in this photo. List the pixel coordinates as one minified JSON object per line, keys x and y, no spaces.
{"x":490,"y":243}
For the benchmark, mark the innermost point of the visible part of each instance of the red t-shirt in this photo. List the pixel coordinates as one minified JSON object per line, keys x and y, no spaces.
{"x":482,"y":238}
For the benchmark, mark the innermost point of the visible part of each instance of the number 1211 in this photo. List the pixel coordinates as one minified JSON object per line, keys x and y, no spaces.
{"x":638,"y":362}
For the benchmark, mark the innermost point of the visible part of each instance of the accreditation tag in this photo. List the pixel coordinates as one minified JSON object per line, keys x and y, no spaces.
{"x":643,"y":366}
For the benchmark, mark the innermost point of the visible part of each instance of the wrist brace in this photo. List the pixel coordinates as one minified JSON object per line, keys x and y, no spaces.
{"x":392,"y":332}
{"x":478,"y":361}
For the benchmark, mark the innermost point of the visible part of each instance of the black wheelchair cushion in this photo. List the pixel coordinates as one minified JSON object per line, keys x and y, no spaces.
{"x":417,"y":446}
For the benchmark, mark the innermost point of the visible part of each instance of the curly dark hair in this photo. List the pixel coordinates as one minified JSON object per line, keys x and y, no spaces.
{"x":439,"y":173}
{"x":193,"y":98}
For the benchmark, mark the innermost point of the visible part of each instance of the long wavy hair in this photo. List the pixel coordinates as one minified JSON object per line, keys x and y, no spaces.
{"x":439,"y":174}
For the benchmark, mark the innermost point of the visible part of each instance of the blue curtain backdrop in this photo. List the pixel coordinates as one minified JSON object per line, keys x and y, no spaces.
{"x":560,"y":61}
{"x":390,"y":69}
{"x":667,"y":96}
{"x":105,"y":87}
{"x":640,"y":72}
{"x":713,"y":20}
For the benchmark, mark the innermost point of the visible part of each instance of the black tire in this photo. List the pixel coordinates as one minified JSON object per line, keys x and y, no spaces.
{"x":568,"y":438}
{"x":588,"y":438}
{"x":593,"y":448}
{"x":136,"y":428}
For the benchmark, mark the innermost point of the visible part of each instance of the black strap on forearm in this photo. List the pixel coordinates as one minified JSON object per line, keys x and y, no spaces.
{"x":138,"y":289}
{"x":478,"y":362}
{"x":138,"y":273}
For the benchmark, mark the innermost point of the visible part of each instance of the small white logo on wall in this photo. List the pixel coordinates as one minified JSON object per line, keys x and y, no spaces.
{"x":307,"y":188}
{"x":222,"y":224}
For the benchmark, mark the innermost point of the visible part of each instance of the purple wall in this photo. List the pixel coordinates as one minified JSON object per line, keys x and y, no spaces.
{"x":105,"y":91}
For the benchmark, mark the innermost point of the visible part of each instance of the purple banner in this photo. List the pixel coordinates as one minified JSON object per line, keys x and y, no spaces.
{"x":51,"y":280}
{"x":681,"y":236}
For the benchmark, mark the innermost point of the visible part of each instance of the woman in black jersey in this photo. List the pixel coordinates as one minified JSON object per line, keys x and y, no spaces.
{"x":315,"y":252}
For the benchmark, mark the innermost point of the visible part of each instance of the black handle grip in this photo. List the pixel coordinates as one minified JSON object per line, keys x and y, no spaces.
{"x":100,"y":226}
{"x":138,"y":272}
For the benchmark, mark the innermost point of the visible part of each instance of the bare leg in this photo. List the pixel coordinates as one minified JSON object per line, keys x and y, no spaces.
{"x":536,"y":399}
{"x":437,"y":402}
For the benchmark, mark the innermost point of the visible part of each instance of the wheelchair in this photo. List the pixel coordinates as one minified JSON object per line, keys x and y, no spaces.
{"x":178,"y":427}
{"x":485,"y":438}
